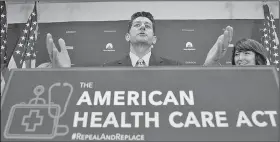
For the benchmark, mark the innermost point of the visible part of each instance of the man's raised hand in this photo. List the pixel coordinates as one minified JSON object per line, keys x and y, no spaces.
{"x":220,"y":47}
{"x":58,"y":59}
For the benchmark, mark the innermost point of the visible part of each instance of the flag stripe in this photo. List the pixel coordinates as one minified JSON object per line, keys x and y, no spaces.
{"x":3,"y":82}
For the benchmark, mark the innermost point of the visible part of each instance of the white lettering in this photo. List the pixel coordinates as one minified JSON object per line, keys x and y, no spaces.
{"x":255,"y":120}
{"x":149,"y":119}
{"x":77,"y":119}
{"x":84,"y":99}
{"x":207,"y":118}
{"x":123,"y":122}
{"x":189,"y":98}
{"x":111,"y":120}
{"x":132,"y":96}
{"x":220,"y":118}
{"x":171,"y":119}
{"x":151,"y":98}
{"x":94,"y":119}
{"x":119,"y":96}
{"x":243,"y":119}
{"x":170,"y":98}
{"x":98,"y":98}
{"x":191,"y":119}
{"x":271,"y":116}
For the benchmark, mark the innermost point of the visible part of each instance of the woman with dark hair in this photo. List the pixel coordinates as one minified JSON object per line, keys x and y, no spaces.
{"x":248,"y":52}
{"x":245,"y":52}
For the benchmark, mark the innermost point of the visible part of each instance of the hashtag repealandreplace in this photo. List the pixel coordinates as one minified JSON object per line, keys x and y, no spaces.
{"x":108,"y":137}
{"x":74,"y":136}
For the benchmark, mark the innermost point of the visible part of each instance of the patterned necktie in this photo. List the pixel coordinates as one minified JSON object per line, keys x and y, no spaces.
{"x":140,"y":63}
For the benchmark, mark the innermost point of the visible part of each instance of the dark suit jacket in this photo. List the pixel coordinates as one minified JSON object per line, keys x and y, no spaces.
{"x":154,"y":61}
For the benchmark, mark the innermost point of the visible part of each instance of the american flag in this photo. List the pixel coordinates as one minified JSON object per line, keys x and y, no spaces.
{"x":4,"y":27}
{"x":269,"y":37}
{"x":24,"y":54}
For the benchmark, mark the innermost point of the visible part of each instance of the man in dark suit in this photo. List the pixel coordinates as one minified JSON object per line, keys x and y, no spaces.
{"x":141,"y":38}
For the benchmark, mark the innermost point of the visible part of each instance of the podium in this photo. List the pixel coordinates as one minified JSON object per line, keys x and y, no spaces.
{"x":146,"y":104}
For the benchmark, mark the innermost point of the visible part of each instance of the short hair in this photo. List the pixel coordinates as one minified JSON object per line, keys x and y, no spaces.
{"x":250,"y":45}
{"x":141,"y":14}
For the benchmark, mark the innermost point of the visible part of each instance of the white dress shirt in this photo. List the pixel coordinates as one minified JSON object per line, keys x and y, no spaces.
{"x":135,"y":58}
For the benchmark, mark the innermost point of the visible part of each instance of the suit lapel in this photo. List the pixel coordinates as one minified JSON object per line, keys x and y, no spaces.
{"x":155,"y":61}
{"x":126,"y":61}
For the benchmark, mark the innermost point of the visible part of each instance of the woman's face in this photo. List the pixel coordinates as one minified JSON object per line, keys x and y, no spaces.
{"x":244,"y":58}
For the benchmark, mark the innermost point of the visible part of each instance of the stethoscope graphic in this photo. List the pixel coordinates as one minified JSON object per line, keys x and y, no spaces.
{"x":39,"y":90}
{"x":65,"y":84}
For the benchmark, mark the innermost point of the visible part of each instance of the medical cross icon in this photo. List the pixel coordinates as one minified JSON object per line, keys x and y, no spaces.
{"x":32,"y":120}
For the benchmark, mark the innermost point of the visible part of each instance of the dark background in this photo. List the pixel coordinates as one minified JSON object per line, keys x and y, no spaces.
{"x":89,"y":39}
